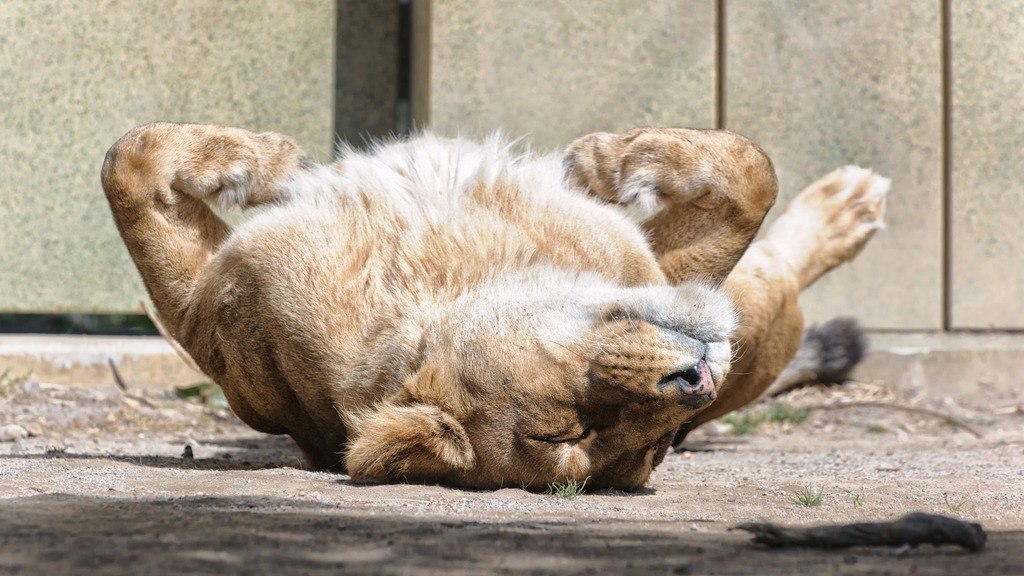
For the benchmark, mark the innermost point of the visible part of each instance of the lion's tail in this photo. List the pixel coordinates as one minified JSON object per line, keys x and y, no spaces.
{"x":828,"y":353}
{"x":158,"y":178}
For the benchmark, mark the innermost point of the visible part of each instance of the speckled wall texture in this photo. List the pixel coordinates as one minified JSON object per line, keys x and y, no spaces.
{"x":558,"y":69}
{"x":987,"y":208}
{"x":818,"y":83}
{"x":821,"y":84}
{"x":77,"y":74}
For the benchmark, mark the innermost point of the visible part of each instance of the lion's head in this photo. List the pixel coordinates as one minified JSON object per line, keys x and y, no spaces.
{"x":530,"y":383}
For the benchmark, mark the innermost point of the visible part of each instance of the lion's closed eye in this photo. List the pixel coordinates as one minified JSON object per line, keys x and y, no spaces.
{"x":568,"y":435}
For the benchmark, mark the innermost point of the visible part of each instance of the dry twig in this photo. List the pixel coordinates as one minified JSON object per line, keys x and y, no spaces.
{"x":117,"y":375}
{"x":155,"y":317}
{"x":902,"y":407}
{"x":123,"y":385}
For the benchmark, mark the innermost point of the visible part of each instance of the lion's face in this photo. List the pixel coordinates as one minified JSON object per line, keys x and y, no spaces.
{"x":543,"y":389}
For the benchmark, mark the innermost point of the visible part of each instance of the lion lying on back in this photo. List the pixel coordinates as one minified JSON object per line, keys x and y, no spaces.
{"x":446,"y":311}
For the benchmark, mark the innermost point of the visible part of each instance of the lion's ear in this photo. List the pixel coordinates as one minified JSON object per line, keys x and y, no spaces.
{"x":394,"y":443}
{"x":435,"y":384}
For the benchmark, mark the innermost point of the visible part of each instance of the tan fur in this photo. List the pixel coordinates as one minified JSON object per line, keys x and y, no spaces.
{"x":440,"y":310}
{"x":711,"y":189}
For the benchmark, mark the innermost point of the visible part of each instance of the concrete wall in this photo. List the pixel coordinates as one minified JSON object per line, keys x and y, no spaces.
{"x":987,"y":136}
{"x":819,"y":84}
{"x":561,"y":68}
{"x":79,"y":73}
{"x":823,"y":84}
{"x":924,"y":91}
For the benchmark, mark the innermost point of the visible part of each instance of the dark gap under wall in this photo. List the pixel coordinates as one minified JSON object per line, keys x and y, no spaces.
{"x":92,"y":324}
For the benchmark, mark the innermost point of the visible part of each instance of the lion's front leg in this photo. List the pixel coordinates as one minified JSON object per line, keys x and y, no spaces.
{"x":699,"y":194}
{"x":158,"y":178}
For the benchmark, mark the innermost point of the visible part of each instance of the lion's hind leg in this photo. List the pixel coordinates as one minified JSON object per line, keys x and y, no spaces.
{"x":700,"y":195}
{"x":824,"y":226}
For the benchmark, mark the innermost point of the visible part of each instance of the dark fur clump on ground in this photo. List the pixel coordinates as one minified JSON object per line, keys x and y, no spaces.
{"x":910,"y":530}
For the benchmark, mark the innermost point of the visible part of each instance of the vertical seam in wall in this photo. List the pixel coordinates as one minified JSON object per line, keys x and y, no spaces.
{"x":403,"y":98}
{"x":335,"y":82}
{"x":421,"y":44}
{"x":947,"y":169}
{"x":719,"y":64}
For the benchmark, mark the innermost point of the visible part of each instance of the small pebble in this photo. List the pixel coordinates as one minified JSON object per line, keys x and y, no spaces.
{"x":12,"y":433}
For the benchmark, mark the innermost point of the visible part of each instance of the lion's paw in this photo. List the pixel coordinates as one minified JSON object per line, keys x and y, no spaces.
{"x":831,"y":221}
{"x":851,"y":200}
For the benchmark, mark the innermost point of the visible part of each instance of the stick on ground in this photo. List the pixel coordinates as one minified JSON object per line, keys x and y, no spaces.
{"x":154,"y":316}
{"x":903,"y":408}
{"x":912,"y":529}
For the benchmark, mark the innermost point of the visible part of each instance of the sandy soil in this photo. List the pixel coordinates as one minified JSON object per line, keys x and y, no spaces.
{"x":94,"y":482}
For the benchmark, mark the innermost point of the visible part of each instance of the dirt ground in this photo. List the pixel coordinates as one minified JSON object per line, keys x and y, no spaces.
{"x":95,"y":482}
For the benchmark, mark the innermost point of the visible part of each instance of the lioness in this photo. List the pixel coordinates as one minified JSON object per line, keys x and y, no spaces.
{"x":445,"y":311}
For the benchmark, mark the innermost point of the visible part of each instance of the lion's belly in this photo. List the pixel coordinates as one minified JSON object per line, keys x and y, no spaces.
{"x":581,"y":233}
{"x":329,"y":274}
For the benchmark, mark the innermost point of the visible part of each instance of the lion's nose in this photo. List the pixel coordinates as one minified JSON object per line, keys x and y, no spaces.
{"x":695,"y":385}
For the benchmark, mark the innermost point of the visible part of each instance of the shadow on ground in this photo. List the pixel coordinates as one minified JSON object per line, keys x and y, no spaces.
{"x":259,"y":453}
{"x":58,"y":534}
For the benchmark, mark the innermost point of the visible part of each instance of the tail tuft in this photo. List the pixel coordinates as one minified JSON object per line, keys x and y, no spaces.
{"x":827,"y":354}
{"x":833,"y":349}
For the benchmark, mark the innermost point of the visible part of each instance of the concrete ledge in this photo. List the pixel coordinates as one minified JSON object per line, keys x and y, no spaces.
{"x":145,"y":362}
{"x":948,"y":364}
{"x":959,"y":364}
